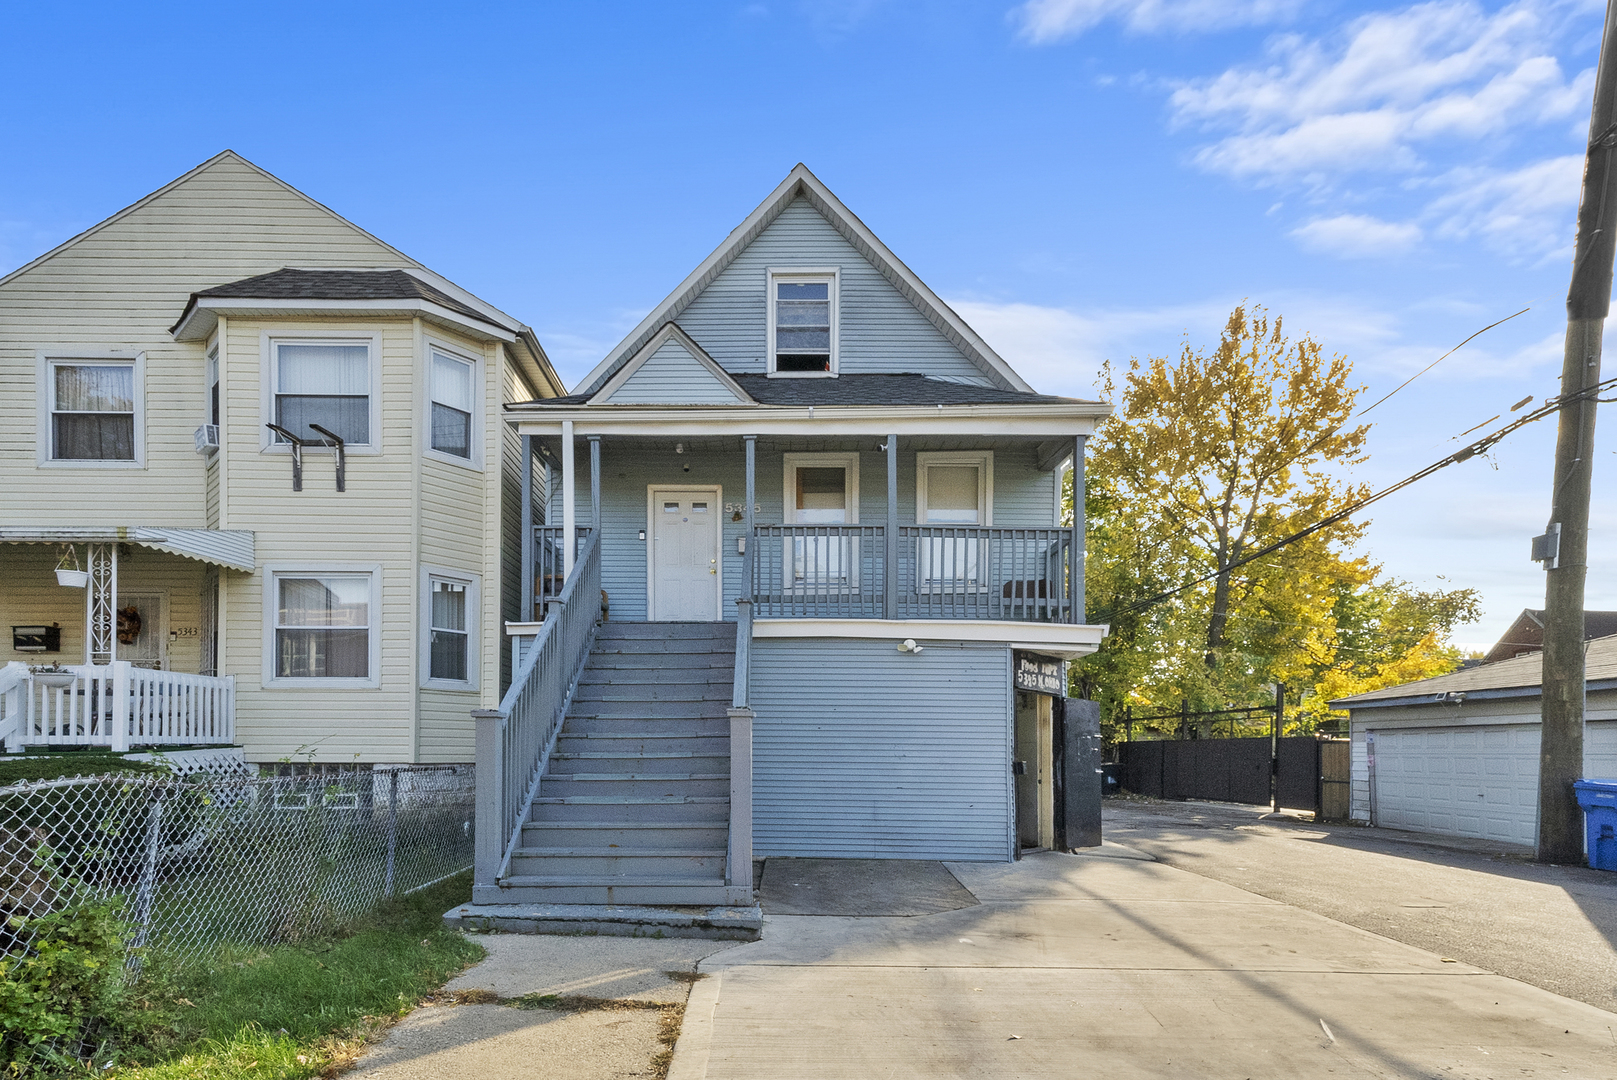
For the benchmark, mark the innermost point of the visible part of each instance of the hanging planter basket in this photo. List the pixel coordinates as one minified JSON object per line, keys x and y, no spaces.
{"x":54,"y":677}
{"x":68,"y":572}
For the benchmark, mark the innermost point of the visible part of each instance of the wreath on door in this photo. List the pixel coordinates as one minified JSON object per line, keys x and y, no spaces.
{"x":128,"y":625}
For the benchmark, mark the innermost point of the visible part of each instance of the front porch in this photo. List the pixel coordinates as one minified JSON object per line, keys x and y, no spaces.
{"x":120,"y":649}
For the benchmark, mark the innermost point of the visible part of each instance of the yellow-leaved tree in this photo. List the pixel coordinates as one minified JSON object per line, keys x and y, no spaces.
{"x":1210,"y":457}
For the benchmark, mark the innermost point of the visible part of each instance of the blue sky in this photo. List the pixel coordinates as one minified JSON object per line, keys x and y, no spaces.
{"x":1082,"y":179}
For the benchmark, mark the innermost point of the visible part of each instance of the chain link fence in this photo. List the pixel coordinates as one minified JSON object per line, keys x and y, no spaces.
{"x":205,"y":859}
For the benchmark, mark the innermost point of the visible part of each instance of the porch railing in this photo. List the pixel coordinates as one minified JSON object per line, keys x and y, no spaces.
{"x":942,"y":572}
{"x":115,"y":705}
{"x":549,"y":559}
{"x":515,"y":740}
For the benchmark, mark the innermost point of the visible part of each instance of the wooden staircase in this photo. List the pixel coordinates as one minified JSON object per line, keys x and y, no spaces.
{"x":634,"y":805}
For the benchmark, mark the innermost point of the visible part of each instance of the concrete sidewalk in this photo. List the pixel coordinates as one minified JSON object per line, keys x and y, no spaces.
{"x":1122,"y":968}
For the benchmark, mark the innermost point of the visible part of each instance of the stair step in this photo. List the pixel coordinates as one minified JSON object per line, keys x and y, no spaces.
{"x":628,"y":836}
{"x":647,"y":694}
{"x":645,"y":755}
{"x":628,"y":853}
{"x":621,"y":866}
{"x":630,"y":800}
{"x":645,"y":647}
{"x":589,"y":889}
{"x":651,"y":710}
{"x":566,"y":785}
{"x":617,"y":631}
{"x":602,"y":879}
{"x":654,"y":675}
{"x":658,"y":778}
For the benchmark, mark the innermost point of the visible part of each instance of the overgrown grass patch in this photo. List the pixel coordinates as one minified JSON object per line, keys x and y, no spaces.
{"x":300,"y":1010}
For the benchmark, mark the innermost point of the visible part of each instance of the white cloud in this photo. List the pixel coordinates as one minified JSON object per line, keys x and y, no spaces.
{"x":1045,"y":21}
{"x":1529,"y":211}
{"x":1355,"y":236}
{"x":1389,"y":86}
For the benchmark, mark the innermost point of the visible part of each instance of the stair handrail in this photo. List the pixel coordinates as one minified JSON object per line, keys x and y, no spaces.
{"x":741,"y":695}
{"x":514,"y":741}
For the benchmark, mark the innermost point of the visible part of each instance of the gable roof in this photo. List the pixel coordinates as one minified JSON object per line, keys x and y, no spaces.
{"x":800,"y":182}
{"x":1526,"y":634}
{"x":874,"y":390}
{"x":531,"y":357}
{"x":1522,"y":674}
{"x":720,"y":379}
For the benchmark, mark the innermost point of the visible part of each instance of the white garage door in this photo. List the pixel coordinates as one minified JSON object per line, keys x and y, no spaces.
{"x":1461,"y":781}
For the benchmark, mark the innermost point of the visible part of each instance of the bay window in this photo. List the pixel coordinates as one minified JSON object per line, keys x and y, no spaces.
{"x":452,"y":389}
{"x":322,"y":626}
{"x":329,"y":383}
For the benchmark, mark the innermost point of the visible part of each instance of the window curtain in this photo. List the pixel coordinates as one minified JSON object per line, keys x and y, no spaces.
{"x":327,"y":385}
{"x":94,"y":412}
{"x":323,"y":628}
{"x":451,"y":405}
{"x":447,"y":618}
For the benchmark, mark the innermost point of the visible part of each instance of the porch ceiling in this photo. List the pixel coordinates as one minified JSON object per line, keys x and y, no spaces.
{"x":230,"y":548}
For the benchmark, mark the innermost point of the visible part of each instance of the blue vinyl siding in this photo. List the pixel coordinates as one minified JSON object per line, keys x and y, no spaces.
{"x":860,"y":751}
{"x":1023,"y":497}
{"x":672,"y":376}
{"x":881,"y":331}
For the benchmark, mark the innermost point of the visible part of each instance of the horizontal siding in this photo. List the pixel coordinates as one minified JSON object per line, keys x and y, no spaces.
{"x":447,"y":731}
{"x":672,"y":376}
{"x":862,"y":752}
{"x":1023,"y":497}
{"x":122,"y":288}
{"x":880,"y":331}
{"x":29,"y":595}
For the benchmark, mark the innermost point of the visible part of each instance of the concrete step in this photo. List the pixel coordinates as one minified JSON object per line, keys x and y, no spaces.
{"x":588,"y":889}
{"x":607,"y":737}
{"x":627,"y":836}
{"x":566,"y":785}
{"x":565,"y":764}
{"x":626,"y":865}
{"x":491,"y":911}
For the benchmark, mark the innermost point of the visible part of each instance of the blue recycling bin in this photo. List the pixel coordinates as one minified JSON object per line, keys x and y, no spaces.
{"x":1599,"y":801}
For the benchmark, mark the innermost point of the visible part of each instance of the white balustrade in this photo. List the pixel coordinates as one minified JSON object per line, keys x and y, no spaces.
{"x":116,"y":705}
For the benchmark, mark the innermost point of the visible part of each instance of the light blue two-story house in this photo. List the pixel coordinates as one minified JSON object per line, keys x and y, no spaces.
{"x":798,"y":540}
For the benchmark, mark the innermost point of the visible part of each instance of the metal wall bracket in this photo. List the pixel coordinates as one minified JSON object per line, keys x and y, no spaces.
{"x":297,"y":454}
{"x":335,"y":440}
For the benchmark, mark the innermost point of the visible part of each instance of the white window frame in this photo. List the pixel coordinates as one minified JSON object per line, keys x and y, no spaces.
{"x":273,"y":572}
{"x":982,"y":459}
{"x":849,"y":462}
{"x":45,"y":394}
{"x":474,"y":622}
{"x":790,"y":274}
{"x":961,"y":551}
{"x":269,"y":366}
{"x":479,"y":395}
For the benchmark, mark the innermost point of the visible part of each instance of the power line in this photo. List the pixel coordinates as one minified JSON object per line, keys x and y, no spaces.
{"x":1440,"y":359}
{"x":1482,"y":445}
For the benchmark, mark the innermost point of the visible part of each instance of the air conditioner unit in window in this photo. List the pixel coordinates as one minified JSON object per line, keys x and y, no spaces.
{"x":206,"y":438}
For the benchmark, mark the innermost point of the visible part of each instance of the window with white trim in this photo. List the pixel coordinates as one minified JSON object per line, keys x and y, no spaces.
{"x":452,"y":388}
{"x":322,"y":382}
{"x":803,"y":322}
{"x":92,"y":408}
{"x":953,"y":493}
{"x":213,"y":386}
{"x":821,"y":490}
{"x":446,"y":629}
{"x":323,"y":625}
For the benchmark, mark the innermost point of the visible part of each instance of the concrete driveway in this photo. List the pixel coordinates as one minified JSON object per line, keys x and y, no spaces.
{"x":1116,"y":966}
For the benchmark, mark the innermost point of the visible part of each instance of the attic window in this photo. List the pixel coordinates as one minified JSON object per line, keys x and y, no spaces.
{"x":802,"y":323}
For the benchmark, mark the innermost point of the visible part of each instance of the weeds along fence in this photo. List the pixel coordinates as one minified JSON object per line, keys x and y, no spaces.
{"x":197,"y":861}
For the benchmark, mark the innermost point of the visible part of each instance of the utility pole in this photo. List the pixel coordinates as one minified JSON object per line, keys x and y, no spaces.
{"x":1564,"y":547}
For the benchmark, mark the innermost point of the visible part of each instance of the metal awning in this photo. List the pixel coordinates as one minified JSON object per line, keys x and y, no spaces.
{"x":231,"y":548}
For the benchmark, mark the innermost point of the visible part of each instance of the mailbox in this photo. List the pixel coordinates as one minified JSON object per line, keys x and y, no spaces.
{"x":36,"y":638}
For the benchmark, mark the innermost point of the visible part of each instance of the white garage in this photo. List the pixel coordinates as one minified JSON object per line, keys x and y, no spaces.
{"x":1458,"y":755}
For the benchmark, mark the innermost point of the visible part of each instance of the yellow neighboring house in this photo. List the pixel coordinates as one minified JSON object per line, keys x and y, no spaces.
{"x":265,"y":452}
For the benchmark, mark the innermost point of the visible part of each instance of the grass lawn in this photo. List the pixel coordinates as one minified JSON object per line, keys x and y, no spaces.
{"x":299,"y":1010}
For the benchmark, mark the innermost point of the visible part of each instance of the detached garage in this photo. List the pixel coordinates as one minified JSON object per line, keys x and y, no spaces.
{"x":1458,"y":754}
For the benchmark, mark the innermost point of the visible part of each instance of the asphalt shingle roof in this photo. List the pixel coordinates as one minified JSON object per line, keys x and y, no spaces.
{"x":1520,"y":672}
{"x":290,"y":284}
{"x":906,"y":389}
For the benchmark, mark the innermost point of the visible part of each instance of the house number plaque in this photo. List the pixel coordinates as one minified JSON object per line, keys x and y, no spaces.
{"x":1038,"y":674}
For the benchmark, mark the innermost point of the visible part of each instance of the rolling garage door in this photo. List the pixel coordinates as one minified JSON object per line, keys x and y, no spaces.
{"x":1461,"y":781}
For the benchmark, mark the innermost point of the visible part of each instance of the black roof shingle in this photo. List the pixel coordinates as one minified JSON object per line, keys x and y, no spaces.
{"x":902,"y":389}
{"x":291,"y":284}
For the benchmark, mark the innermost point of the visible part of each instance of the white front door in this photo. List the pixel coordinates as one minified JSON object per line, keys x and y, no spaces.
{"x":683,"y":563}
{"x":142,"y":637}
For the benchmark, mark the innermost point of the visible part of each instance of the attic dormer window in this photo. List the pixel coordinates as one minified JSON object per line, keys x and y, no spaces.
{"x":802,"y":322}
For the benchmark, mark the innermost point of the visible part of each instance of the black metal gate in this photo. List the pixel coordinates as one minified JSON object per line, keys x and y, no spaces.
{"x":1224,"y":770}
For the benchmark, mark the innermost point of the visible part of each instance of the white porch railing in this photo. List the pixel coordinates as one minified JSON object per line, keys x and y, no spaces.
{"x":115,"y":705}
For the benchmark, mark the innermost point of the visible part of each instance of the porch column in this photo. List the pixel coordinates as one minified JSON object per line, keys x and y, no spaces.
{"x":748,"y":555}
{"x":525,"y":609}
{"x":890,"y":556}
{"x":1076,"y":570}
{"x":569,"y":492}
{"x":595,"y":483}
{"x":101,"y":605}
